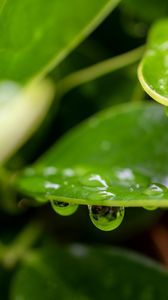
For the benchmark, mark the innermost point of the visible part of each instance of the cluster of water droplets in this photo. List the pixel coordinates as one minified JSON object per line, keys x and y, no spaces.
{"x":59,"y":185}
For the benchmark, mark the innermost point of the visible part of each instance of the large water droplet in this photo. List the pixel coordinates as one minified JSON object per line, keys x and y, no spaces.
{"x":106,"y":218}
{"x":63,"y":208}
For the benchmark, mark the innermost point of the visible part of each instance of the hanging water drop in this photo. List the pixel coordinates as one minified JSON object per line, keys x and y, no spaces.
{"x":106,"y":218}
{"x":63,"y":208}
{"x":150,"y":207}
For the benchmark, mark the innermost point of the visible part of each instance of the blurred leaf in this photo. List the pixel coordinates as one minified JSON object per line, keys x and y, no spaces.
{"x":35,"y":35}
{"x":5,"y":278}
{"x":87,"y":273}
{"x":21,"y":112}
{"x":147,"y":10}
{"x":153,"y":70}
{"x":118,"y":157}
{"x":25,"y":27}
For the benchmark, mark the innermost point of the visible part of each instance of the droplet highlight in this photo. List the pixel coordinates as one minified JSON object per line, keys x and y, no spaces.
{"x":63,"y":208}
{"x":93,"y":180}
{"x":106,"y":218}
{"x":154,"y":190}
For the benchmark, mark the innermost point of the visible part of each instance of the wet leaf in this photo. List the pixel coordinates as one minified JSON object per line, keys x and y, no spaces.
{"x":153,"y":69}
{"x":87,"y":273}
{"x":116,"y":158}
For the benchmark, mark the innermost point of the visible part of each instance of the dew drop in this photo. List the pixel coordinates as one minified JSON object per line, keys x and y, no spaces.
{"x":93,"y":180}
{"x":106,"y":218}
{"x":63,"y":208}
{"x":49,"y":171}
{"x":68,"y":172}
{"x":51,"y":185}
{"x":154,"y":190}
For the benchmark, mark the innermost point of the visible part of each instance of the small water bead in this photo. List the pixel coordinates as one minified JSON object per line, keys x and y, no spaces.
{"x":106,"y":218}
{"x":125,"y":174}
{"x":155,"y":189}
{"x":93,"y":180}
{"x":101,"y":195}
{"x":49,"y":171}
{"x":129,"y":177}
{"x":63,"y":208}
{"x":68,"y":172}
{"x":51,"y":185}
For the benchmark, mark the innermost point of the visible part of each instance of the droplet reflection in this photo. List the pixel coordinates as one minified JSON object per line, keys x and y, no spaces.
{"x":106,"y":218}
{"x":63,"y":208}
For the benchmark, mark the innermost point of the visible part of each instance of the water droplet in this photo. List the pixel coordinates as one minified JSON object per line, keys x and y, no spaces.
{"x":63,"y":208}
{"x":49,"y":171}
{"x":51,"y":185}
{"x":93,"y":180}
{"x":129,"y":177}
{"x":154,"y":190}
{"x":106,"y":218}
{"x":125,"y":174}
{"x":150,"y":207}
{"x":68,"y":172}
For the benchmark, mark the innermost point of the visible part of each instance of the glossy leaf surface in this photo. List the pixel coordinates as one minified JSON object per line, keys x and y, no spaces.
{"x":153,"y":70}
{"x":36,"y":35}
{"x":117,"y":158}
{"x":88,"y":273}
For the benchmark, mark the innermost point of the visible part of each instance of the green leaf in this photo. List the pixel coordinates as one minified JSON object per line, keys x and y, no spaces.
{"x":37,"y":35}
{"x":153,"y":69}
{"x":117,"y":158}
{"x":87,"y":273}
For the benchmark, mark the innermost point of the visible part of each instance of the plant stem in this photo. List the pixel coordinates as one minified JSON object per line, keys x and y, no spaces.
{"x":18,"y":249}
{"x":100,"y":69}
